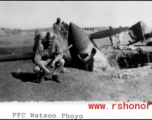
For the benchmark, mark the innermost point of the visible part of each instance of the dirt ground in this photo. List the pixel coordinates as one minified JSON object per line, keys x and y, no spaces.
{"x":17,"y":84}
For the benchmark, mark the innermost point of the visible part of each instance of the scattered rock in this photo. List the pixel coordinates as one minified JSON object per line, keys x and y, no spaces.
{"x":132,"y":96}
{"x":144,"y":100}
{"x":18,"y":71}
{"x":127,"y":77}
{"x":149,"y":102}
{"x":120,"y":76}
{"x":64,"y":70}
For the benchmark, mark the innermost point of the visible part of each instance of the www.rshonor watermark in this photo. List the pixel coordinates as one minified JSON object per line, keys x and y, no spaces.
{"x":119,"y":106}
{"x":125,"y":105}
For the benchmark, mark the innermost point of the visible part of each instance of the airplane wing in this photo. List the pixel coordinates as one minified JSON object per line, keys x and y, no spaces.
{"x":24,"y":56}
{"x":14,"y":57}
{"x":107,"y":33}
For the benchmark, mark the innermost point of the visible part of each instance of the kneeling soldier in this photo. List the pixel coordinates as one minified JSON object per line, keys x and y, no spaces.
{"x":48,"y":54}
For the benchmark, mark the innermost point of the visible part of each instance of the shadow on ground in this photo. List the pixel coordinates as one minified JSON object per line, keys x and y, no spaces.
{"x":28,"y":77}
{"x":25,"y":77}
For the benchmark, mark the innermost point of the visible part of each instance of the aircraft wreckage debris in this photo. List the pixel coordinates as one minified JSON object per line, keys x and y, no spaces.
{"x":86,"y":55}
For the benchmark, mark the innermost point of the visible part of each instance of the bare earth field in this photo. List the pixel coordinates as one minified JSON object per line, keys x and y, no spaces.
{"x":17,"y":82}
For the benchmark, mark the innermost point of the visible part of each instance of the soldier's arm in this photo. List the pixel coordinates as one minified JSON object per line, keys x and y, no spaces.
{"x":38,"y":53}
{"x":63,"y":29}
{"x":59,"y":51}
{"x":38,"y":58}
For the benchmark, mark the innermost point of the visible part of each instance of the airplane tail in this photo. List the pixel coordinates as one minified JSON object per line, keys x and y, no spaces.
{"x":137,"y":32}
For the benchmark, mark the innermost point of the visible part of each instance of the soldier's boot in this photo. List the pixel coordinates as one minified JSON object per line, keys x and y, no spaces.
{"x":56,"y":78}
{"x":40,"y":77}
{"x":48,"y":76}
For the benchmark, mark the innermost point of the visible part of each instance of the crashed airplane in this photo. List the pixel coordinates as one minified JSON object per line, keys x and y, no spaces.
{"x":79,"y":49}
{"x":84,"y":52}
{"x":135,"y":49}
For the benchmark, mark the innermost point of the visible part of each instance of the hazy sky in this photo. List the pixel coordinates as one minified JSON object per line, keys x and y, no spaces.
{"x":37,"y":14}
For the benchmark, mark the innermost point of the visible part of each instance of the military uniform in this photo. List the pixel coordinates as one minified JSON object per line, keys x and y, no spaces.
{"x":58,"y":28}
{"x":46,"y":53}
